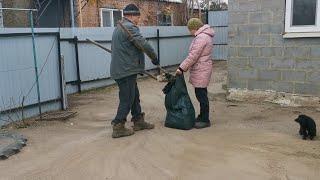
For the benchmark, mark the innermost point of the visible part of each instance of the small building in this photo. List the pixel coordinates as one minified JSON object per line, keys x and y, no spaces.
{"x":275,"y":45}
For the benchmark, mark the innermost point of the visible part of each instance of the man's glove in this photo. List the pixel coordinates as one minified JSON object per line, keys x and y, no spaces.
{"x":155,"y":61}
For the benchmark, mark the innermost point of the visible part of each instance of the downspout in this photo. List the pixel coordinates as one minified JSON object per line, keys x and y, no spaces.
{"x":72,"y":13}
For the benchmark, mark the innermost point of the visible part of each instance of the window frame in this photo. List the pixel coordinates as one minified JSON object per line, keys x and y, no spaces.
{"x":304,"y":28}
{"x":161,"y":24}
{"x":112,"y":16}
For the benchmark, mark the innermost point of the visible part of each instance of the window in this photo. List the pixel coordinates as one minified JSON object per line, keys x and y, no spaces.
{"x":165,"y":19}
{"x":302,"y":16}
{"x":110,"y":17}
{"x":175,"y":1}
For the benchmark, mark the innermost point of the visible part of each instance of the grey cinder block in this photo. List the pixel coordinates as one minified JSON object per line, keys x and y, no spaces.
{"x":293,"y":76}
{"x":269,"y":75}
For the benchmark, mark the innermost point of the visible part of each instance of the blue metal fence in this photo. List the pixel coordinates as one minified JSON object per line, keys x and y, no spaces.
{"x":17,"y":73}
{"x":219,"y":21}
{"x":85,"y":65}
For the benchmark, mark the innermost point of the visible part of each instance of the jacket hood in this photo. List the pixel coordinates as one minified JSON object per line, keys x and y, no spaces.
{"x":206,"y":29}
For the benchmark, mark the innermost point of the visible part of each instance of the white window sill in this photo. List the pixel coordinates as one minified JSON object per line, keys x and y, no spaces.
{"x":301,"y":35}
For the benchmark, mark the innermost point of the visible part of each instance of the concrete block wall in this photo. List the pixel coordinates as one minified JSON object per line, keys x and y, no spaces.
{"x":261,"y":59}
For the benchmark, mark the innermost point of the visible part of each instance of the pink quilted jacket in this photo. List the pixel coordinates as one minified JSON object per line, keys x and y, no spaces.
{"x":199,"y":60}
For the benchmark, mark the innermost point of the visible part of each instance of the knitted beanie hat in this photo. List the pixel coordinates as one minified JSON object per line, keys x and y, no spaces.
{"x":131,"y":9}
{"x":194,"y":24}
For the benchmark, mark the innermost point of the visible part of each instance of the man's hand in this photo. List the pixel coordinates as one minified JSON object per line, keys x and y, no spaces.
{"x":178,"y":72}
{"x":155,"y":61}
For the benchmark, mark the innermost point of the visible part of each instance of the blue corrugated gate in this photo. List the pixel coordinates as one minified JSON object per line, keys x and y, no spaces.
{"x":219,"y":21}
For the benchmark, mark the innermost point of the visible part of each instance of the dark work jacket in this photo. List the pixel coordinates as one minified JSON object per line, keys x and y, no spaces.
{"x":127,"y":58}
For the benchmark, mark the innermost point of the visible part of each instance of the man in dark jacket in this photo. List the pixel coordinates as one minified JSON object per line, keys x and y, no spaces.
{"x":127,"y":62}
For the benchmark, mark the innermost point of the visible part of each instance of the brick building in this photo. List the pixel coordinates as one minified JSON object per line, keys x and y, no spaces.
{"x":15,"y":18}
{"x":153,"y":12}
{"x":274,"y":45}
{"x":1,"y":15}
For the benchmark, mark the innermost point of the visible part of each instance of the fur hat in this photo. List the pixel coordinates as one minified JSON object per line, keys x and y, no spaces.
{"x":194,"y":24}
{"x":131,"y":9}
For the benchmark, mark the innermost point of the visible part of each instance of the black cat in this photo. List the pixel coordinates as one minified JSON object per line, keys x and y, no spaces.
{"x":308,"y":127}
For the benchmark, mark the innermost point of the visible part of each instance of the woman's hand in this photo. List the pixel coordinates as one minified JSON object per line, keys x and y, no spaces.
{"x":178,"y":72}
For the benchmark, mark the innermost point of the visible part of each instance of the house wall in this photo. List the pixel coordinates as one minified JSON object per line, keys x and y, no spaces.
{"x":259,"y":56}
{"x":149,"y":8}
{"x":49,"y":18}
{"x":1,"y":15}
{"x":16,"y":18}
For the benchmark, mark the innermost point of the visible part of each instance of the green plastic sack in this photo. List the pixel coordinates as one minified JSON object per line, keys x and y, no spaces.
{"x":180,"y":110}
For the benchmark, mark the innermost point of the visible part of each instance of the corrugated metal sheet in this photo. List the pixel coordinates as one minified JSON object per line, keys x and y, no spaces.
{"x":29,"y":112}
{"x":68,"y":51}
{"x":174,"y":51}
{"x":17,"y":76}
{"x":95,"y":62}
{"x":218,"y":18}
{"x":220,"y":52}
{"x":221,"y":35}
{"x":219,"y":21}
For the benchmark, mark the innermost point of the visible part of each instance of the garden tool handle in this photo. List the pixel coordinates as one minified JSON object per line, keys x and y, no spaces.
{"x":110,"y":51}
{"x":99,"y":45}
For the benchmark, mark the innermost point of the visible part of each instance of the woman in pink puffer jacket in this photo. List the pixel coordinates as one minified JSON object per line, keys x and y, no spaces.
{"x":199,"y":62}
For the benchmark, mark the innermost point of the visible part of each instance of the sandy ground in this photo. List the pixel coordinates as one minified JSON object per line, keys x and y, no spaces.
{"x":246,"y":141}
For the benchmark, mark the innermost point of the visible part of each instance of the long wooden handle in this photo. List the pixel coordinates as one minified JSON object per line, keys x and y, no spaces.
{"x":110,"y":51}
{"x":99,"y":45}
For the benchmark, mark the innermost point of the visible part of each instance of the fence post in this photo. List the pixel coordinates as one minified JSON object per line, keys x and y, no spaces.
{"x":61,"y":75}
{"x":72,"y":13}
{"x":77,"y":63}
{"x":35,"y":63}
{"x":158,"y":47}
{"x":63,"y":84}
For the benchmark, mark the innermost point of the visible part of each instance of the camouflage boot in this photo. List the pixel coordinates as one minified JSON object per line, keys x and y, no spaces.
{"x":140,"y":124}
{"x":119,"y":130}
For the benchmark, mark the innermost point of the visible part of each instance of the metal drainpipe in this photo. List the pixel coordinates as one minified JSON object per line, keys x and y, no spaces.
{"x":158,"y":45}
{"x":72,"y":13}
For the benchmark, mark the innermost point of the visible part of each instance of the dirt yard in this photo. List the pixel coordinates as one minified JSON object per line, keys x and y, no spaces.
{"x":247,"y":141}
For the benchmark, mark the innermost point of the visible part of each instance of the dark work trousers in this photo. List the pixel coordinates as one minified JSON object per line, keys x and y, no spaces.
{"x":129,"y":99}
{"x":202,"y":96}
